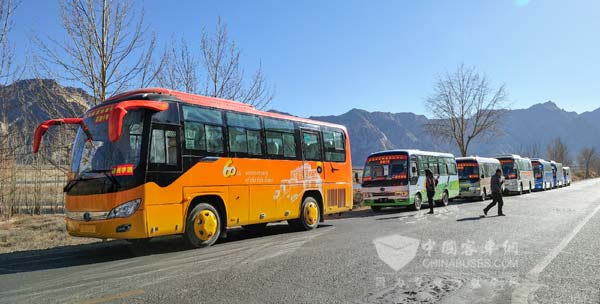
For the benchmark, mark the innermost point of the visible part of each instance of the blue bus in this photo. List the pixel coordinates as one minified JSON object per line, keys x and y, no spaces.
{"x":543,"y":174}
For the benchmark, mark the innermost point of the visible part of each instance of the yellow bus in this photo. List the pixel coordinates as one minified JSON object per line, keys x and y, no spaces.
{"x":156,"y":162}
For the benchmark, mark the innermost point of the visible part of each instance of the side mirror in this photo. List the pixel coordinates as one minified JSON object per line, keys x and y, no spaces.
{"x":414,"y":170}
{"x":482,"y":175}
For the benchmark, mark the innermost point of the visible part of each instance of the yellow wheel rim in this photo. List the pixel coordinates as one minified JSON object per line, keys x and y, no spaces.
{"x":311,"y":212}
{"x":205,"y":225}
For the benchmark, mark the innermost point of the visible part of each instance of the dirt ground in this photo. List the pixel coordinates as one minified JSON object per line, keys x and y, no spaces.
{"x":27,"y":232}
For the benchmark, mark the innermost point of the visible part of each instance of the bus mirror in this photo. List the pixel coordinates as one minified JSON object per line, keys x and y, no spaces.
{"x":482,"y":175}
{"x":413,"y":170}
{"x":117,"y":114}
{"x":44,"y":126}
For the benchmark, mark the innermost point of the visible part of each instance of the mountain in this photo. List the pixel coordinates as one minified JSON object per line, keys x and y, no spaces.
{"x":26,"y":103}
{"x":521,"y":130}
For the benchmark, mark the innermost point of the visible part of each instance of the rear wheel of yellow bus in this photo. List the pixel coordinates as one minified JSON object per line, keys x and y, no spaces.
{"x":203,"y":226}
{"x":310,"y":215}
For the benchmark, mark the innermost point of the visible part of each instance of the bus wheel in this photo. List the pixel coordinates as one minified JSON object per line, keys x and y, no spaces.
{"x":417,"y":202}
{"x":310,"y":214}
{"x":255,"y":228}
{"x":203,"y":226}
{"x":445,"y":198}
{"x":376,"y":208}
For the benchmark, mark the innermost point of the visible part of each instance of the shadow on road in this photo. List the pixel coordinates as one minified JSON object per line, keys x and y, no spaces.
{"x":473,"y":218}
{"x":100,"y":252}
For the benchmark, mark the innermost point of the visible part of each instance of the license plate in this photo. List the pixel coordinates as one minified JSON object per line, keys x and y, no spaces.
{"x":87,"y":228}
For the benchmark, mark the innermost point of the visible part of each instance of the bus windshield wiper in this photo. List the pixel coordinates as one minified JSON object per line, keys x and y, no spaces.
{"x":108,"y":174}
{"x":72,"y":183}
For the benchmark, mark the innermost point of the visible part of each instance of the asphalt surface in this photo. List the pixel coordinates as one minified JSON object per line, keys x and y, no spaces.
{"x":546,"y":250}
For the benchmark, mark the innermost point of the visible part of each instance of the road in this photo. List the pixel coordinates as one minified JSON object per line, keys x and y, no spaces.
{"x":546,"y":250}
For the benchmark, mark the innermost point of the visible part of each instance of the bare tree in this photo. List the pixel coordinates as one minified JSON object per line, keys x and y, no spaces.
{"x":586,"y":159}
{"x":531,"y":150}
{"x":180,"y":70}
{"x":465,"y":107}
{"x":558,"y":151}
{"x":225,"y":77}
{"x":105,"y":50}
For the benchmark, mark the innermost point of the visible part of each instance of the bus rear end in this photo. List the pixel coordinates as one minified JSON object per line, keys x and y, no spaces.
{"x":470,"y":179}
{"x":385,"y":180}
{"x":538,"y":175}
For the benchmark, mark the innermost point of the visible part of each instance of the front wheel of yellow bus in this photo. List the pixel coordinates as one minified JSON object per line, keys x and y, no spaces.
{"x":203,"y":226}
{"x":310,"y":215}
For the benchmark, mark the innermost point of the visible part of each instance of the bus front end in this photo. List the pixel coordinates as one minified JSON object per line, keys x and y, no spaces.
{"x":538,"y":175}
{"x":105,"y":193}
{"x":511,"y":175}
{"x":469,"y":179}
{"x":385,"y":181}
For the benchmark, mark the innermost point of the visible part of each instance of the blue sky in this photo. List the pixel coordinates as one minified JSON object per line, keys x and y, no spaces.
{"x":327,"y":57}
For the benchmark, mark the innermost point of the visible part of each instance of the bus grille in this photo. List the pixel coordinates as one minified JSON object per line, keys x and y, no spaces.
{"x":336,"y":197}
{"x":379,"y":194}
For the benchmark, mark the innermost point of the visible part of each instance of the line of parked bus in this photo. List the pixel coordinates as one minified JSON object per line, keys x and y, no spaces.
{"x":397,"y":177}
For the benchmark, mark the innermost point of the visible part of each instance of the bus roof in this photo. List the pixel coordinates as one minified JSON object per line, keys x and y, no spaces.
{"x":513,"y":156}
{"x":219,"y":103}
{"x":541,"y":160}
{"x":479,"y":159}
{"x":412,"y":152}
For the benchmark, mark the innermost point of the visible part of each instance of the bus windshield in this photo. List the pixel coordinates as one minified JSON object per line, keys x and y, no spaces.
{"x":97,"y":156}
{"x":386,"y":168}
{"x":537,"y":169}
{"x":508,"y":168}
{"x":468,"y":171}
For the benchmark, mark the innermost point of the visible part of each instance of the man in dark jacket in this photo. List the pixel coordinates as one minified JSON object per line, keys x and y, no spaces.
{"x":430,"y":184}
{"x":496,"y":184}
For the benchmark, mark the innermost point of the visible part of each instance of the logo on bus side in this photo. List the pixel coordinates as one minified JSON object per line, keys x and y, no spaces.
{"x":229,"y":170}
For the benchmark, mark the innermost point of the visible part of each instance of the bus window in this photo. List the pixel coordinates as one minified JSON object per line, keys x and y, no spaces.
{"x":443,"y":165}
{"x":163,"y":149}
{"x":452,"y":170}
{"x":279,"y":137}
{"x":203,"y":129}
{"x":414,"y":170}
{"x":334,"y":146}
{"x":244,"y":134}
{"x":311,"y":146}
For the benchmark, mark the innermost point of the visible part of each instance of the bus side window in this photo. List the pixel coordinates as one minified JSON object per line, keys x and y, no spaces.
{"x":164,"y":149}
{"x":311,"y":146}
{"x":443,"y":165}
{"x":414,"y":170}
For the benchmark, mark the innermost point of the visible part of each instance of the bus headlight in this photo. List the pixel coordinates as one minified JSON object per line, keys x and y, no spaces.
{"x":401,"y":193}
{"x":125,"y":210}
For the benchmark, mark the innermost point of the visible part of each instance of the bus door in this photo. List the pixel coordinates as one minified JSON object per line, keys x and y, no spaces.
{"x":335,"y":170}
{"x":312,"y":157}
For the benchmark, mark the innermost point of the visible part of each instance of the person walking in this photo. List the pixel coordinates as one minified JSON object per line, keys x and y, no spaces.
{"x":430,"y":184}
{"x":496,"y":182}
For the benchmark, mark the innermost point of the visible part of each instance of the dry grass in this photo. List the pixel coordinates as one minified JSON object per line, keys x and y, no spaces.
{"x":36,"y":232}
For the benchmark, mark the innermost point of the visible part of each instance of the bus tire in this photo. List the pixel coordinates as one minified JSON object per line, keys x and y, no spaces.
{"x":417,"y":202}
{"x":445,"y":198}
{"x":203,"y":226}
{"x":376,"y":208}
{"x":255,"y":228}
{"x":310,"y":214}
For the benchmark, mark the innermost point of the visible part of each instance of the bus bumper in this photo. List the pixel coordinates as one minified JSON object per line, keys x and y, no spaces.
{"x":132,"y":227}
{"x":387,"y":202}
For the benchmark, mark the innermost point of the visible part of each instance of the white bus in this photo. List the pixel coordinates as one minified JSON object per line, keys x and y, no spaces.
{"x":397,"y":178}
{"x":518,"y":173}
{"x":475,"y":174}
{"x":567,"y":174}
{"x":558,"y":174}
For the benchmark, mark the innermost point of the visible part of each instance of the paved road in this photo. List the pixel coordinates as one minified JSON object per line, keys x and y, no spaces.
{"x":545,"y":251}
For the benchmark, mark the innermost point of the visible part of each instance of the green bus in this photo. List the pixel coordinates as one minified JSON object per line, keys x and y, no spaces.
{"x":397,"y":178}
